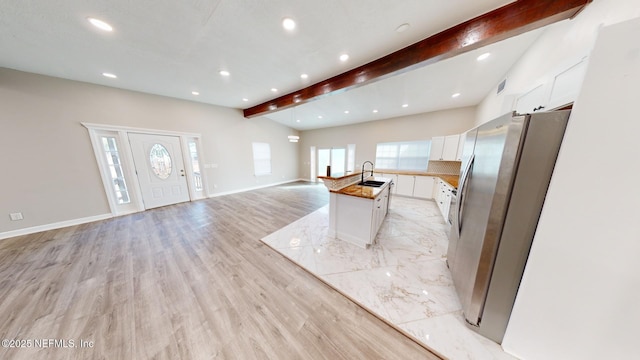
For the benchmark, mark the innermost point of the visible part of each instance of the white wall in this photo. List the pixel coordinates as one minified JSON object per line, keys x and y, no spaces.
{"x":367,"y":135}
{"x":49,"y":169}
{"x":560,"y":46}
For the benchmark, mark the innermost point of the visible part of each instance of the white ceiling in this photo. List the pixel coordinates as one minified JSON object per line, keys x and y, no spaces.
{"x":172,"y":48}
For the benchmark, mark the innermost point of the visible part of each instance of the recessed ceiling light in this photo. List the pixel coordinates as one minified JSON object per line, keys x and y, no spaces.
{"x":109,"y":75}
{"x":224,"y":73}
{"x":298,"y":120}
{"x":195,"y":93}
{"x":344,"y":57}
{"x":375,"y":110}
{"x":403,"y":27}
{"x":288,"y":24}
{"x":483,"y":56}
{"x":100,"y":24}
{"x":346,"y":111}
{"x":455,"y":95}
{"x":304,"y":76}
{"x":274,"y":90}
{"x":245,"y":99}
{"x":405,"y":105}
{"x":319,"y":116}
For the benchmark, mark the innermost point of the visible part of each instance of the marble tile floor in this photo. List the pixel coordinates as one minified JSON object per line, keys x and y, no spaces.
{"x":402,"y":278}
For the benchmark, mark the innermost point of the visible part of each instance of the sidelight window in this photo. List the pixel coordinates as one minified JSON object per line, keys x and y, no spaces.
{"x":112,"y":156}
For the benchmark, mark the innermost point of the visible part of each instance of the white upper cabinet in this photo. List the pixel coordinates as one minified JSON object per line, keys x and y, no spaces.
{"x":444,"y":147}
{"x":437,"y":147}
{"x":532,"y":101}
{"x":459,"y":153}
{"x":450,"y":150}
{"x":561,"y":87}
{"x":566,"y":84}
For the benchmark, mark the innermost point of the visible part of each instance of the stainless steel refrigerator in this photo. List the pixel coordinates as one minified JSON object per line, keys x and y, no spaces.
{"x":506,"y":169}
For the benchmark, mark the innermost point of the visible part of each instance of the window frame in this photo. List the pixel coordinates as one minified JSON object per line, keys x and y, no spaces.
{"x":264,"y":158}
{"x":397,"y":159}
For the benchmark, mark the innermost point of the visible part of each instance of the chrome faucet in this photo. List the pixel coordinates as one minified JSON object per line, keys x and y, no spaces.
{"x":362,"y":174}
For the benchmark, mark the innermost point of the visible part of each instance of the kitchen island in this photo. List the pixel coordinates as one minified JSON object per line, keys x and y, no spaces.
{"x":356,"y":212}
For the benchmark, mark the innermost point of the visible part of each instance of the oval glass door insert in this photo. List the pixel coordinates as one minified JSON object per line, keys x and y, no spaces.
{"x":160,"y":161}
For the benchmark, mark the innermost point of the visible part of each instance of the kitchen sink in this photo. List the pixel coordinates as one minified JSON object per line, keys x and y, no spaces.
{"x":371,"y":183}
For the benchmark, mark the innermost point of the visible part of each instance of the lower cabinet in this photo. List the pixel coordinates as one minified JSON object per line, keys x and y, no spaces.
{"x":359,"y":219}
{"x":394,"y":178}
{"x":417,"y":186}
{"x":423,"y":187}
{"x":443,"y":197}
{"x":405,"y":184}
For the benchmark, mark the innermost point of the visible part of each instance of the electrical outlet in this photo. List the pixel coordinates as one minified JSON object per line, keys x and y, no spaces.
{"x":16,"y":216}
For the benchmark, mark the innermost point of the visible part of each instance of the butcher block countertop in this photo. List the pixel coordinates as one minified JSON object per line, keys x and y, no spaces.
{"x":451,"y":179}
{"x":367,"y":192}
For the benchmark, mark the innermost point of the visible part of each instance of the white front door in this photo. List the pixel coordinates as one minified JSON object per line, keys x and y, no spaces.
{"x":160,"y":168}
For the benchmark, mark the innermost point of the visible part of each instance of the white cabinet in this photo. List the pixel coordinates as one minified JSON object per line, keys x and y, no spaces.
{"x":461,"y":141}
{"x":423,"y":187}
{"x":404,"y":185}
{"x":379,"y":212}
{"x":443,"y":197}
{"x":417,"y":186}
{"x":559,"y":87}
{"x":450,"y":147}
{"x":359,"y":219}
{"x":437,"y":147}
{"x":394,"y":179}
{"x":444,"y":147}
{"x":532,"y":101}
{"x":566,"y":84}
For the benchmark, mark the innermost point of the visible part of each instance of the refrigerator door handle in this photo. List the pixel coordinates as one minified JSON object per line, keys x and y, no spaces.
{"x":463,"y":191}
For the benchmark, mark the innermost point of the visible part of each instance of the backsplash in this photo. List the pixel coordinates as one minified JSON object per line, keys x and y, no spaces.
{"x":444,"y":167}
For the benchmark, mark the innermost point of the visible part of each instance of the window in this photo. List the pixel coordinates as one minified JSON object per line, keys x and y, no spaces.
{"x":336,"y":157}
{"x":408,"y":155}
{"x":160,"y":161}
{"x":195,"y":165}
{"x":351,"y":157}
{"x":261,"y":158}
{"x":115,"y":169}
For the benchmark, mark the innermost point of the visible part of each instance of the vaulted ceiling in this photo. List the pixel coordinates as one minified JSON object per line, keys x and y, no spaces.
{"x":179,"y":48}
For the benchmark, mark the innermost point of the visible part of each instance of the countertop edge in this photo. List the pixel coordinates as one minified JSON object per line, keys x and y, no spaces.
{"x":365,"y":192}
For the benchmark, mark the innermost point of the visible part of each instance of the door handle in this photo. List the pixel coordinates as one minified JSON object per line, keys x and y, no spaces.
{"x":462,"y":191}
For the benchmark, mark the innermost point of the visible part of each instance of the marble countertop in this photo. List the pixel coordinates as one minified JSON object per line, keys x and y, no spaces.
{"x":366,"y":192}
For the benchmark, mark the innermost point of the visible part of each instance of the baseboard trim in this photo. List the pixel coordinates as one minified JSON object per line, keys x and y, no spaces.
{"x":61,"y":224}
{"x":254,"y":188}
{"x":52,"y":226}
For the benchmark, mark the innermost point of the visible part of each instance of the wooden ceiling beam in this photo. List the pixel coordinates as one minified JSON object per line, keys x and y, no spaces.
{"x":510,"y":20}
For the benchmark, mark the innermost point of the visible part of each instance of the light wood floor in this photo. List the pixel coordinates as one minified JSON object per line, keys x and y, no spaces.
{"x":189,"y":281}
